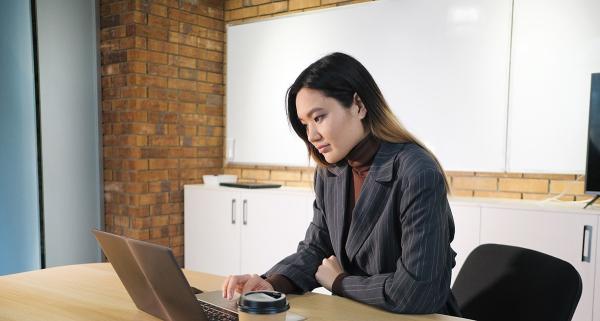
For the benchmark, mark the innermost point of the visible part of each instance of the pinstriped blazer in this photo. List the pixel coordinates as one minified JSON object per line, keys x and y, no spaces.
{"x":398,"y":245}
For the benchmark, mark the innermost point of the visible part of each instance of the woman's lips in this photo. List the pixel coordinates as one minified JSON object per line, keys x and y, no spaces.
{"x":323,"y":148}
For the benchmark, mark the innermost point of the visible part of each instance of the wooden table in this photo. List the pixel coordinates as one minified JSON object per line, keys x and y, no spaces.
{"x":94,"y":292}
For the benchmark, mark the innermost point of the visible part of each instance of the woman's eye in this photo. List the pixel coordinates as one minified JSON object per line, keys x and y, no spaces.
{"x":318,"y":118}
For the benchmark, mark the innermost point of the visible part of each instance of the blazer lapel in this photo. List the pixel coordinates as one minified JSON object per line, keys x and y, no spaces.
{"x":372,"y":198}
{"x":336,"y":194}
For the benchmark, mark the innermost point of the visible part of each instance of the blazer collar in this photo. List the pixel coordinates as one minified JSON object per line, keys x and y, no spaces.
{"x":382,"y":167}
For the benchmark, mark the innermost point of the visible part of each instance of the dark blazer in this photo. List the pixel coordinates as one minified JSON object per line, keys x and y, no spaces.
{"x":398,"y":246}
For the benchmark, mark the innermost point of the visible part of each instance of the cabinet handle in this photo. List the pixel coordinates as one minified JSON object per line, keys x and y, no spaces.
{"x":587,"y":234}
{"x":233,"y":211}
{"x":245,"y":212}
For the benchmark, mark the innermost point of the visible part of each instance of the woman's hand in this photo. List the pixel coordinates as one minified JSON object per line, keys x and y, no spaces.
{"x":244,"y":283}
{"x":328,"y":271}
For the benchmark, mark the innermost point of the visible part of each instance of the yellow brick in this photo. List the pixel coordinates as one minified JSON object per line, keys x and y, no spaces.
{"x":233,"y":171}
{"x":527,"y":196}
{"x":569,"y":187}
{"x":270,"y":182}
{"x":299,"y":184}
{"x":583,"y":197}
{"x":252,"y":19}
{"x":259,"y":174}
{"x":499,"y":175}
{"x":326,"y":2}
{"x":272,"y":167}
{"x":497,"y":194}
{"x":243,"y":13}
{"x":462,"y":193}
{"x":357,"y":1}
{"x":302,"y":4}
{"x":272,"y":8}
{"x":258,"y":2}
{"x":454,"y":173}
{"x":523,"y":185}
{"x":233,"y":4}
{"x":308,"y":175}
{"x":551,"y":176}
{"x":475,"y":183}
{"x":286,"y":175}
{"x":320,"y":8}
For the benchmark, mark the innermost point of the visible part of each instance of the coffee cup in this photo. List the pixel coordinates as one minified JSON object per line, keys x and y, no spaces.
{"x":262,"y":305}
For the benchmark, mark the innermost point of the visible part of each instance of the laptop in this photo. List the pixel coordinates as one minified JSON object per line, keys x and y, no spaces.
{"x":157,"y":285}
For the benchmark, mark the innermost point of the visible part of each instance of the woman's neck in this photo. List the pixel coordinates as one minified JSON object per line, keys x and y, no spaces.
{"x":363,"y":153}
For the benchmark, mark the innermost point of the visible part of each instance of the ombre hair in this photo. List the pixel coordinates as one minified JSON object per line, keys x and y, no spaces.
{"x":340,"y":76}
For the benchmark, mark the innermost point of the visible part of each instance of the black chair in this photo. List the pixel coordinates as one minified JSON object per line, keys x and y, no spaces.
{"x":508,"y":283}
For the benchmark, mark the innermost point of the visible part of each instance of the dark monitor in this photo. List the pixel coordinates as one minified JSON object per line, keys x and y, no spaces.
{"x":592,"y":169}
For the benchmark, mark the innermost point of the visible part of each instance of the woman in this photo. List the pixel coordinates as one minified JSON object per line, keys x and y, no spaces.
{"x":382,"y":224}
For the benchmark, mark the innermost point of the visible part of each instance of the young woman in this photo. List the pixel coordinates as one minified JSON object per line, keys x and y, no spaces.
{"x":382,"y":224}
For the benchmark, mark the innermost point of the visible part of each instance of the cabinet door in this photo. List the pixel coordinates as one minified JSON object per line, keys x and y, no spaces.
{"x":272,"y":226}
{"x":212,"y":231}
{"x":557,"y":234}
{"x":467,"y":219}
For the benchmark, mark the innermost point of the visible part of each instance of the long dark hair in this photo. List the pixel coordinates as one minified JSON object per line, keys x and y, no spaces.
{"x":340,"y":76}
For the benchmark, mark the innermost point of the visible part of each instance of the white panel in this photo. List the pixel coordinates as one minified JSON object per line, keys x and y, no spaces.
{"x":556,"y":46}
{"x":276,"y":223}
{"x":442,"y":66}
{"x":212,"y":239}
{"x":467,"y":220}
{"x":69,"y":108}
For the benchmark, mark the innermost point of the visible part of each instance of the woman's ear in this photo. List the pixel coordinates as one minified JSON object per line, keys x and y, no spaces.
{"x":362,"y":110}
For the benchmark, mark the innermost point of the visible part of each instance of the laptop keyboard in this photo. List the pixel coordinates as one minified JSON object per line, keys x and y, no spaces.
{"x":214,"y":313}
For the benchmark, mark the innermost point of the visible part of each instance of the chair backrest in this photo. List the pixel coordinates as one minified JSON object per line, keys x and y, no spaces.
{"x":501,"y":282}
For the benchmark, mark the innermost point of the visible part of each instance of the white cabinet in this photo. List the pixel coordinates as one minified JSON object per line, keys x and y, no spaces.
{"x":233,"y":231}
{"x":274,"y":224}
{"x":212,"y":231}
{"x":563,"y":234}
{"x":467,"y":218}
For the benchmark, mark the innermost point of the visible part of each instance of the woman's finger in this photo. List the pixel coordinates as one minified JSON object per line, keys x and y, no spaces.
{"x":234,"y":283}
{"x":224,"y":286}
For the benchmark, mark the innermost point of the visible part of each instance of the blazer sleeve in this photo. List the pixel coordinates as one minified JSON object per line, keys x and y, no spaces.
{"x":301,"y":266}
{"x":421,"y":282}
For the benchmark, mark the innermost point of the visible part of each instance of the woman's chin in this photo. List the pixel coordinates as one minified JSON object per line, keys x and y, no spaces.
{"x":331,"y":159}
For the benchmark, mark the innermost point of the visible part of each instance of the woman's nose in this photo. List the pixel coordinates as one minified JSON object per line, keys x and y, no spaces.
{"x":312,"y":134}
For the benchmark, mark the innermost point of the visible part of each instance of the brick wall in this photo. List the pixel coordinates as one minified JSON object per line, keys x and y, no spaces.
{"x":162,"y":111}
{"x":468,"y":184}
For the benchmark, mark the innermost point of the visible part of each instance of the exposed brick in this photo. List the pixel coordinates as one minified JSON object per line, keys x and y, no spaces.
{"x":271,"y":8}
{"x":326,"y":2}
{"x":255,"y":174}
{"x":527,"y":196}
{"x":462,"y":193}
{"x":497,"y":194}
{"x":286,"y":175}
{"x":242,"y":13}
{"x":233,"y":4}
{"x":523,"y":185}
{"x":159,"y":10}
{"x":475,"y":183}
{"x":568,"y":187}
{"x":163,"y":46}
{"x":303,"y":4}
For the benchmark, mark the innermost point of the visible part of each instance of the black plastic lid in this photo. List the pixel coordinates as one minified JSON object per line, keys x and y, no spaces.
{"x":263,"y":302}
